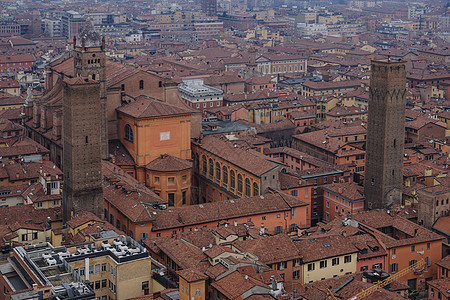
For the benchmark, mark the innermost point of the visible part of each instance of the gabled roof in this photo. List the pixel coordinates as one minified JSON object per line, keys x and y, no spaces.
{"x":146,"y":107}
{"x":270,"y":249}
{"x":235,"y":155}
{"x":314,"y":249}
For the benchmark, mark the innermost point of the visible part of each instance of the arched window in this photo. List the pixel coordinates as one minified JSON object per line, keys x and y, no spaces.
{"x":248,"y":191}
{"x":255,"y":189}
{"x":225,"y":175}
{"x":204,"y":165}
{"x":197,"y":162}
{"x":211,"y":168}
{"x":232,"y":180}
{"x":128,"y":133}
{"x":218,"y":171}
{"x":93,"y":76}
{"x":141,"y":84}
{"x":239,"y":183}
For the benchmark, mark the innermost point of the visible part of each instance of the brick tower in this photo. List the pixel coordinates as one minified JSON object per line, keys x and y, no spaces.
{"x":82,"y":147}
{"x":90,"y":62}
{"x":385,"y":134}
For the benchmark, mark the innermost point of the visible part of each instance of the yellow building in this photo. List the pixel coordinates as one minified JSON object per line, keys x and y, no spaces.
{"x":9,"y":101}
{"x":329,"y":19}
{"x":192,"y":285}
{"x":327,"y":257}
{"x":307,"y":17}
{"x":347,"y":113}
{"x":10,"y":86}
{"x":179,"y":16}
{"x":313,"y":88}
{"x":358,"y":98}
{"x":324,"y":103}
{"x":119,"y":269}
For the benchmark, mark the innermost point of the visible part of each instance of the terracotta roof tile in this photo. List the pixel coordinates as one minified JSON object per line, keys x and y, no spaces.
{"x":443,"y":225}
{"x":191,"y":275}
{"x":270,"y":249}
{"x":349,"y":190}
{"x":146,"y":107}
{"x":445,"y":262}
{"x":224,"y":210}
{"x":313,"y":249}
{"x":82,"y":217}
{"x":443,"y":285}
{"x":245,"y":160}
{"x":168,"y":163}
{"x":235,"y":284}
{"x":380,"y":218}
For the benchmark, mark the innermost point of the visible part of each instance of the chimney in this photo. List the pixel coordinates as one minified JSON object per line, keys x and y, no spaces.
{"x":340,"y":190}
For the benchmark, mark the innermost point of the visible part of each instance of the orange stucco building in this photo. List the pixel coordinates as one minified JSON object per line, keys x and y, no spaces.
{"x":170,"y":178}
{"x":342,"y":199}
{"x":152,"y":131}
{"x":142,"y":215}
{"x":405,"y":243}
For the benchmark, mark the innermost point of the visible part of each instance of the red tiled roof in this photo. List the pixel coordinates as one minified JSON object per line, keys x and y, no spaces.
{"x":329,"y":85}
{"x":380,"y":218}
{"x":443,"y":225}
{"x":82,"y":217}
{"x":19,"y":58}
{"x":9,"y":83}
{"x":270,"y":249}
{"x":224,"y":210}
{"x":349,"y":190}
{"x":168,"y":163}
{"x":146,"y":107}
{"x":191,"y":275}
{"x":241,"y":158}
{"x":314,"y":249}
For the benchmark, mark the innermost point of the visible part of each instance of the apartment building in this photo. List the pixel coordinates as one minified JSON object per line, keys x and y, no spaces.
{"x":326,"y":257}
{"x":342,"y":199}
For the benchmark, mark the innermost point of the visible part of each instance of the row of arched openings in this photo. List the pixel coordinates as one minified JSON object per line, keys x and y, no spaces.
{"x":228,"y":178}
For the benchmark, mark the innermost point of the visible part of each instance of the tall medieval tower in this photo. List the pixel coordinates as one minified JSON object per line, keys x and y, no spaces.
{"x":81,"y":147}
{"x":90,"y":62}
{"x":84,"y":126}
{"x":385,"y":134}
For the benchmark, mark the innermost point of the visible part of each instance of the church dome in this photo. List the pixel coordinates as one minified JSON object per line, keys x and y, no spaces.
{"x":89,"y":36}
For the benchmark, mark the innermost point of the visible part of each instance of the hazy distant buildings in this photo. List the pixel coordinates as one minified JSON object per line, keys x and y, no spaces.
{"x":208,"y":28}
{"x":51,"y":27}
{"x":10,"y":28}
{"x":239,"y":22}
{"x":209,"y":7}
{"x":305,"y":29}
{"x":71,"y":23}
